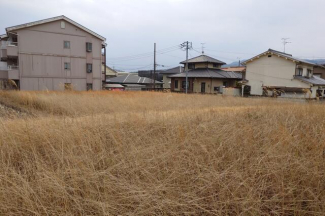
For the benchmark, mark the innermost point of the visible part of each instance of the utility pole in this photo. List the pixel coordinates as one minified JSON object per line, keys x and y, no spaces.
{"x":187,"y":45}
{"x":154,"y":68}
{"x":285,"y":42}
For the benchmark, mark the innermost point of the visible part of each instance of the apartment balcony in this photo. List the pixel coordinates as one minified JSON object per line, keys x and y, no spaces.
{"x":9,"y":50}
{"x":9,"y":72}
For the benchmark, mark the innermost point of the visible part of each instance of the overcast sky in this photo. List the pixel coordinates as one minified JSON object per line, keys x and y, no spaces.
{"x":230,"y":29}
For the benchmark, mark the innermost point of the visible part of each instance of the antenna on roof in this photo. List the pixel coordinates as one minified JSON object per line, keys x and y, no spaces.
{"x":285,"y":42}
{"x":203,"y":48}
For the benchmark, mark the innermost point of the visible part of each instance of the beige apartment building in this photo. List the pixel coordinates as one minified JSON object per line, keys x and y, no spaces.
{"x":52,"y":54}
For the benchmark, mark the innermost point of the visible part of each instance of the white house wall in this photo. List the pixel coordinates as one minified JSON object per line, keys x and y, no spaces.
{"x":271,"y":71}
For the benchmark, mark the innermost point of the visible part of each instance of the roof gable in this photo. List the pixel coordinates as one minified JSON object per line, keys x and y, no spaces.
{"x":40,"y":22}
{"x":279,"y":54}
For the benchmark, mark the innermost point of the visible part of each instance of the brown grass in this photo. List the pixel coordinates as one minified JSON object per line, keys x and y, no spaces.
{"x":160,"y":154}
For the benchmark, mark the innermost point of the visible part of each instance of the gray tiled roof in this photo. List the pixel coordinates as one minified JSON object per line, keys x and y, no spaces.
{"x":284,"y":55}
{"x":203,"y":58}
{"x":317,"y":81}
{"x":130,"y":79}
{"x":210,"y":73}
{"x":174,"y":70}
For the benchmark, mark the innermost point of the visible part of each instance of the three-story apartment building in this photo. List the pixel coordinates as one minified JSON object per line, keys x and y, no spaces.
{"x":53,"y":54}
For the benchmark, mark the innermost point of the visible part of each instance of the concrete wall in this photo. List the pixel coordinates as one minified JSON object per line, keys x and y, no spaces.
{"x":236,"y":92}
{"x":166,"y":81}
{"x":42,"y":56}
{"x":272,"y":71}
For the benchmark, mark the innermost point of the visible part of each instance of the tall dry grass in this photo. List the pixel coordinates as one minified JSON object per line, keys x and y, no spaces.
{"x":161,"y":154}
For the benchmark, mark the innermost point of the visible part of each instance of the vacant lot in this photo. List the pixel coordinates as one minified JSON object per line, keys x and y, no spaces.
{"x":141,"y":153}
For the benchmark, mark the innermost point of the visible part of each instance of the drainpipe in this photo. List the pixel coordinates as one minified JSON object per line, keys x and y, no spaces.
{"x":105,"y":64}
{"x":242,"y":90}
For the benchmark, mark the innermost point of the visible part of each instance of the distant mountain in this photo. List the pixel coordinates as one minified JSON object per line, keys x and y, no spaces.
{"x":233,"y":64}
{"x":315,"y":61}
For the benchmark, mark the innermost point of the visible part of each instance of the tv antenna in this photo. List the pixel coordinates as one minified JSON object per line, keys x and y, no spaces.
{"x":285,"y":42}
{"x":203,"y":48}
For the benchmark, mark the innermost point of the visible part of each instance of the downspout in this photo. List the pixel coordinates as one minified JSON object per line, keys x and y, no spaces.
{"x":105,"y":64}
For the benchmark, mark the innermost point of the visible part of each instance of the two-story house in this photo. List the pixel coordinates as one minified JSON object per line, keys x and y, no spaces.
{"x":274,"y":72}
{"x":204,"y":76}
{"x":53,"y":54}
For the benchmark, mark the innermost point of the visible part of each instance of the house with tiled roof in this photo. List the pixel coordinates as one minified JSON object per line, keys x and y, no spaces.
{"x":274,"y":73}
{"x":204,"y":76}
{"x":133,"y":82}
{"x":169,"y":72}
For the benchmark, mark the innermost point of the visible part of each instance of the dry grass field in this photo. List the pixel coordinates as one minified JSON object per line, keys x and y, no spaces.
{"x":141,"y":153}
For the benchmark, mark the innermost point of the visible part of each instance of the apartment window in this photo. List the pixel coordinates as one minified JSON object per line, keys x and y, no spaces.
{"x":67,"y":66}
{"x":176,"y":84}
{"x":67,"y":86}
{"x":66,"y":44}
{"x":299,"y":72}
{"x":62,"y":24}
{"x":89,"y":47}
{"x":89,"y":68}
{"x":89,"y":86}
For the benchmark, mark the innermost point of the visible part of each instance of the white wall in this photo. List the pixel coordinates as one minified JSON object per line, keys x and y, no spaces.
{"x":166,"y":81}
{"x":271,"y":71}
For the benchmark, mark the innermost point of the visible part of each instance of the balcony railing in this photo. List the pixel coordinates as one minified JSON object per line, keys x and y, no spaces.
{"x":9,"y":67}
{"x":4,"y":44}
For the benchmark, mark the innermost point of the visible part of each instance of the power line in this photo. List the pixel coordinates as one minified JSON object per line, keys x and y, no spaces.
{"x":145,"y":54}
{"x":146,"y":66}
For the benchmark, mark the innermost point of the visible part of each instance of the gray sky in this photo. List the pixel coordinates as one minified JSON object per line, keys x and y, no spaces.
{"x":230,"y":29}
